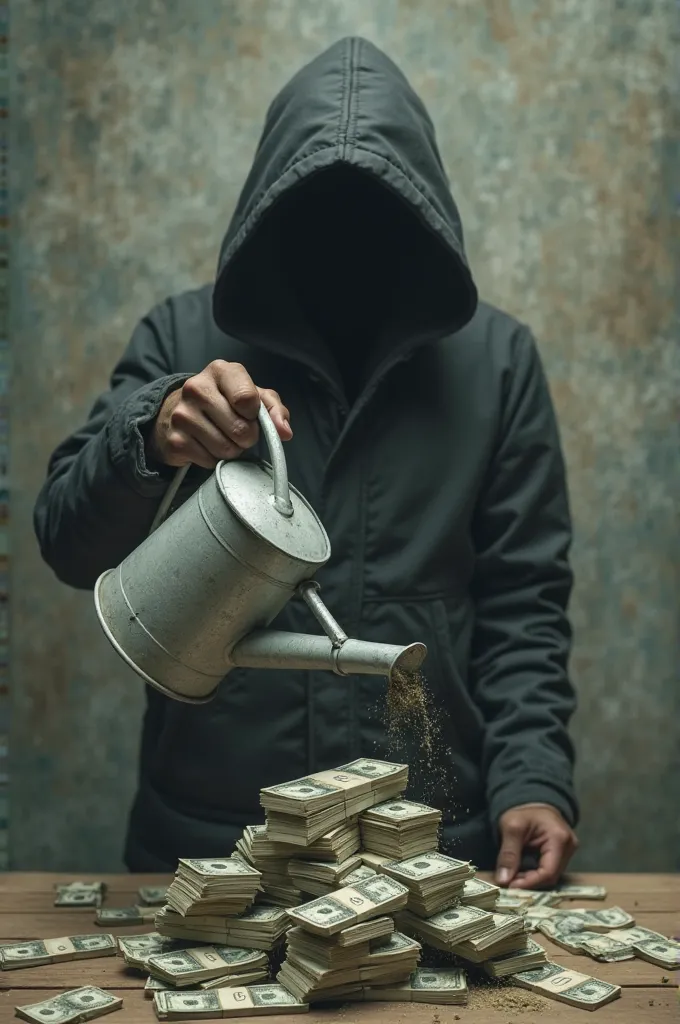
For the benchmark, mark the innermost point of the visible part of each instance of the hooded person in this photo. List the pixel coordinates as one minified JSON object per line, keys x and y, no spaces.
{"x":418,"y":424}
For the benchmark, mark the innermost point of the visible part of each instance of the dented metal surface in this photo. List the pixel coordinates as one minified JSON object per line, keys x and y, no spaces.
{"x":134,"y":131}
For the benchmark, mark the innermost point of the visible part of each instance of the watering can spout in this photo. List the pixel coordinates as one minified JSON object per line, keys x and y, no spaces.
{"x":270,"y":648}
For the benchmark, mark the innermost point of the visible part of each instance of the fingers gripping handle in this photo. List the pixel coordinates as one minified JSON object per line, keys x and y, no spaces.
{"x":280,"y":498}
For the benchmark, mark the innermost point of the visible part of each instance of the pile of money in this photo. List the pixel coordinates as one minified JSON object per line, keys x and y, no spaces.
{"x":512,"y":963}
{"x":152,"y":895}
{"x":434,"y":880}
{"x":567,"y":986}
{"x":52,"y":951}
{"x":449,"y":927}
{"x":70,"y":1007}
{"x":213,"y":886}
{"x":204,"y":963}
{"x":301,"y":811}
{"x":117,"y":916}
{"x":312,"y":969}
{"x":318,"y":877}
{"x":375,"y":897}
{"x":507,"y":934}
{"x":242,"y":1001}
{"x":399,"y":829}
{"x":259,"y":927}
{"x":439,"y":985}
{"x":80,"y":894}
{"x":481,"y":894}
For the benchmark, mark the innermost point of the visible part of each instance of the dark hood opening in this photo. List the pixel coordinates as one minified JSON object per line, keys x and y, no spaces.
{"x":346,"y":244}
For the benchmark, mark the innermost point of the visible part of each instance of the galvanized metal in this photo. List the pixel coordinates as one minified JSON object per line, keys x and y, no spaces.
{"x":191,"y":602}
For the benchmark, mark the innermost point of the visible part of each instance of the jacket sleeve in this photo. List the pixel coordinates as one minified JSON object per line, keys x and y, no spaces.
{"x":522,"y":584}
{"x":100,"y":496}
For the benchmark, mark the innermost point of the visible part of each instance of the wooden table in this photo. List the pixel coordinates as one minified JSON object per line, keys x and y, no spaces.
{"x":650,"y":995}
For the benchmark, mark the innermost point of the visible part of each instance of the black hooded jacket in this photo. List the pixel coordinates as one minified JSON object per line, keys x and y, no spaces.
{"x":428,"y":447}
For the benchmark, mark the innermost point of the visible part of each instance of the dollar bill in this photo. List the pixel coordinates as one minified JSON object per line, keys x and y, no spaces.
{"x":152,"y":895}
{"x":329,"y":914}
{"x":533,"y":955}
{"x":634,"y":934}
{"x":78,"y":1004}
{"x":51,"y":951}
{"x":80,"y":894}
{"x":447,"y":986}
{"x":481,"y":894}
{"x":605,"y":948}
{"x":189,"y":966}
{"x":581,"y":892}
{"x":124,"y":915}
{"x":448,"y":927}
{"x":662,"y":952}
{"x":567,"y":986}
{"x":246,"y":1001}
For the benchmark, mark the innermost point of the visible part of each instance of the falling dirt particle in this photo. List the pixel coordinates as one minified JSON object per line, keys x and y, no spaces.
{"x":407,"y":707}
{"x":664,"y":981}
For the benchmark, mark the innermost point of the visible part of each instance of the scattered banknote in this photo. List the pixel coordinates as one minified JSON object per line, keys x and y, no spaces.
{"x":634,"y":934}
{"x":246,"y":978}
{"x":52,"y":951}
{"x":373,"y":898}
{"x":426,"y":985}
{"x":567,"y":986}
{"x":434,"y":880}
{"x":605,"y":919}
{"x":136,"y":949}
{"x":259,"y":927}
{"x":662,"y":952}
{"x":190,"y":966}
{"x":533,"y":916}
{"x":604,"y":947}
{"x":245,"y":1001}
{"x":152,"y":895}
{"x":303,"y":810}
{"x":508,"y":903}
{"x":533,"y":955}
{"x":156,"y":985}
{"x":399,"y":829}
{"x":70,"y":1007}
{"x":581,"y":892}
{"x":80,"y":894}
{"x":124,"y":915}
{"x":448,"y":927}
{"x":481,"y":894}
{"x":213,"y":886}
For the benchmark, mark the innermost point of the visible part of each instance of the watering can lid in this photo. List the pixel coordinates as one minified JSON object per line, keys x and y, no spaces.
{"x":247,"y":488}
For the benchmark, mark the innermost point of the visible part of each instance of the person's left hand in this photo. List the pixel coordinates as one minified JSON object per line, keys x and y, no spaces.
{"x":538,"y":827}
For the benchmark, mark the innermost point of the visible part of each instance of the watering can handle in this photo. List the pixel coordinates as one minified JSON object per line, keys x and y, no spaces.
{"x":281,"y":496}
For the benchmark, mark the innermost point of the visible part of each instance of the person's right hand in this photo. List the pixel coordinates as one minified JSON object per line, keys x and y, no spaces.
{"x":213,"y":416}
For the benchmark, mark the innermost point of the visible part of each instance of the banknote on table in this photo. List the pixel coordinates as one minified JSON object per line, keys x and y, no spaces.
{"x":118,"y":916}
{"x":662,"y":952}
{"x":399,"y":829}
{"x":80,"y":894}
{"x":373,"y":898}
{"x":246,"y":978}
{"x":433,"y":879}
{"x":512,"y":963}
{"x":600,"y":920}
{"x":446,"y":986}
{"x":200,"y":963}
{"x":259,"y":927}
{"x":77,"y":1004}
{"x":52,"y":951}
{"x":581,"y":892}
{"x":245,"y":1001}
{"x":604,"y":948}
{"x":448,"y":927}
{"x":567,"y":986}
{"x":506,"y":934}
{"x":217,"y":886}
{"x":533,"y":916}
{"x":481,"y":894}
{"x":507,"y":903}
{"x":152,"y":895}
{"x":634,"y":934}
{"x":136,"y":949}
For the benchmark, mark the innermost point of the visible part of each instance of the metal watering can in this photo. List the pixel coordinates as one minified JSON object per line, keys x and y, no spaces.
{"x":194,"y":599}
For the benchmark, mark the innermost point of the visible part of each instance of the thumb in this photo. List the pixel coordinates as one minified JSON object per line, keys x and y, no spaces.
{"x":510,"y":854}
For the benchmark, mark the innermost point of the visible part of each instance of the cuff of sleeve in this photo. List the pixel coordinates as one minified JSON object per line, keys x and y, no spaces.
{"x":532,"y":793}
{"x":125,"y":438}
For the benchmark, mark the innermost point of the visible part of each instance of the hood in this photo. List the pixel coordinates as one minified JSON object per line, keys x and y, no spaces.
{"x":347,"y":170}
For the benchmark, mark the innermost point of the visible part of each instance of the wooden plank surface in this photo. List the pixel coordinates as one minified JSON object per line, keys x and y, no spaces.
{"x":650,"y":995}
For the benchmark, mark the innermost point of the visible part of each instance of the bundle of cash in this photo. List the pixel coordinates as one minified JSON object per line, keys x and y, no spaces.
{"x":137,"y":949}
{"x":448,"y":927}
{"x":478,"y":893}
{"x":319,"y":877}
{"x":244,"y":1001}
{"x":152,"y":895}
{"x":277,"y":888}
{"x":399,"y":829}
{"x":439,"y":985}
{"x":567,"y":986}
{"x":228,"y":981}
{"x":660,"y":951}
{"x":434,"y":880}
{"x":191,"y":966}
{"x":506,"y":935}
{"x":512,"y":963}
{"x":80,"y":894}
{"x":117,"y":916}
{"x":507,"y":903}
{"x":373,"y":860}
{"x":257,"y":928}
{"x":303,"y":810}
{"x":386,"y":960}
{"x":534,"y":915}
{"x":77,"y":1004}
{"x":213,"y":886}
{"x":374,"y":928}
{"x":52,"y":951}
{"x":335,"y":846}
{"x":330,"y":914}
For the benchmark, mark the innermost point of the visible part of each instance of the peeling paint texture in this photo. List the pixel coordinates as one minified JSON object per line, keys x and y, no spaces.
{"x":135,"y":125}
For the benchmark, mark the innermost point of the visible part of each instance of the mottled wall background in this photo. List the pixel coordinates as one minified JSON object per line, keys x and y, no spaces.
{"x":135,"y":126}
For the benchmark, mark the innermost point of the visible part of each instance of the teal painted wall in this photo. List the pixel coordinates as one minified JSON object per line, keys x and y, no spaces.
{"x":134,"y":128}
